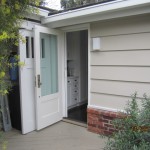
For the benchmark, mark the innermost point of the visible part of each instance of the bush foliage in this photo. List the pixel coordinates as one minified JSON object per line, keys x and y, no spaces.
{"x":11,"y":14}
{"x":133,"y":128}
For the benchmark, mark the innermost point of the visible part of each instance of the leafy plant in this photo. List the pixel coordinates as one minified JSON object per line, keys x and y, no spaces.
{"x":133,"y":127}
{"x":11,"y":14}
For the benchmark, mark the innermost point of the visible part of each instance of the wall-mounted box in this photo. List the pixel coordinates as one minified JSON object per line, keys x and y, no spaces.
{"x":96,"y":44}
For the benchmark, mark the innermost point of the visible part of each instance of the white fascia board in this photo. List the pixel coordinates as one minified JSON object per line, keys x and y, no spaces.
{"x":28,"y":25}
{"x":96,"y":9}
{"x":43,"y":13}
{"x":100,"y":17}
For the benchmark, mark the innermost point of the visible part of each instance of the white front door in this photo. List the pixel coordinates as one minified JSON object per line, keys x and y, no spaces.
{"x":48,"y":75}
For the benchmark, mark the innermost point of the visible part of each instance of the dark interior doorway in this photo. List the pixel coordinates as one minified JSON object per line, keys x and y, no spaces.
{"x":77,"y":75}
{"x":14,"y":94}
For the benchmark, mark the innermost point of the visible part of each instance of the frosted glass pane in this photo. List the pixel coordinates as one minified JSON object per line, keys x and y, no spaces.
{"x":49,"y":64}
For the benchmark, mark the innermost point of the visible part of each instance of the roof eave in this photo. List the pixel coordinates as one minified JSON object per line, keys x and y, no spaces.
{"x":104,"y":11}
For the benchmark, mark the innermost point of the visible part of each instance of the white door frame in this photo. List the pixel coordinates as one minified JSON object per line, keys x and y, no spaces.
{"x":72,"y":29}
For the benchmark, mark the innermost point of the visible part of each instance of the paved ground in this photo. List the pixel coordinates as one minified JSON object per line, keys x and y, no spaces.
{"x":61,"y":136}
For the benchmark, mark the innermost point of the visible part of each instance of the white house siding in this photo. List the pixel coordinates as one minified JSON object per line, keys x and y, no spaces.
{"x":123,"y":64}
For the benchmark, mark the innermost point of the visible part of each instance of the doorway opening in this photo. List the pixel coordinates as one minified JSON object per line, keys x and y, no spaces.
{"x":77,"y":75}
{"x":14,"y":93}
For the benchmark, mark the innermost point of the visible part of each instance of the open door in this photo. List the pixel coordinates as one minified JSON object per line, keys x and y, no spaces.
{"x":48,"y":75}
{"x":26,"y":75}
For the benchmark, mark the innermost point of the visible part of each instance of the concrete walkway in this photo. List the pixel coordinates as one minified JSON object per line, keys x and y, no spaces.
{"x":60,"y":136}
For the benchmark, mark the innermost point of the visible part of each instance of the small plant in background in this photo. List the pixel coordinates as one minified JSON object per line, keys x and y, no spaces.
{"x":133,"y":128}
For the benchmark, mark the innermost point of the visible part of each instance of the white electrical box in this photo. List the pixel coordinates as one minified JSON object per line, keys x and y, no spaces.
{"x":96,"y":44}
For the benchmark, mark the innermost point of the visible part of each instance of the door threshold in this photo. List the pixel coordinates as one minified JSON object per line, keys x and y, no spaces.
{"x":75,"y":122}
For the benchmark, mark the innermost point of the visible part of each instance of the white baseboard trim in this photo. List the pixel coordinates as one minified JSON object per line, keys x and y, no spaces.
{"x":83,"y":102}
{"x":78,"y":104}
{"x":70,"y":107}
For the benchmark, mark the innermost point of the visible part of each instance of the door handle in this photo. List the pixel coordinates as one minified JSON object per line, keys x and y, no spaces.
{"x":39,"y":81}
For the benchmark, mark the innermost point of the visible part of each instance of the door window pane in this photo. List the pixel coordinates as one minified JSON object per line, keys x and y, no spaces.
{"x":32,"y":46}
{"x":54,"y":64}
{"x":27,"y":47}
{"x":49,"y":64}
{"x":43,"y":48}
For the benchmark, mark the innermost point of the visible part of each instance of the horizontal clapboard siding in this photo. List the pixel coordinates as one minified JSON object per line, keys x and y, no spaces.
{"x":122,"y":26}
{"x":109,"y":101}
{"x":123,"y":64}
{"x":126,"y":42}
{"x":125,"y":58}
{"x":137,"y":74}
{"x":119,"y":88}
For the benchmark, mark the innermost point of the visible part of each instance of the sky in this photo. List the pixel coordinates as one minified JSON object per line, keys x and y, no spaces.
{"x":54,"y":4}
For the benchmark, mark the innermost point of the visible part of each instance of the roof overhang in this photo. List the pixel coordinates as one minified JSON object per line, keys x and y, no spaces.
{"x":37,"y":14}
{"x":105,"y":11}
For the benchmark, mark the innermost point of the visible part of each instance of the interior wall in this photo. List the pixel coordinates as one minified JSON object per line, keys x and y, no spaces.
{"x":77,"y":58}
{"x":123,"y":65}
{"x":84,"y":65}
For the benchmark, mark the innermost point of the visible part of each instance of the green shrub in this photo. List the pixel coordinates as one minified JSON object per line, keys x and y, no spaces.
{"x":133,"y":128}
{"x":11,"y":14}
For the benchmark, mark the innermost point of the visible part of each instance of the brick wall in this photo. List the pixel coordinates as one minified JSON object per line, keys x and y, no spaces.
{"x":99,"y":121}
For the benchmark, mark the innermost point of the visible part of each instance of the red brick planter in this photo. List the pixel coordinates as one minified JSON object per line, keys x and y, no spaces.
{"x":99,"y":121}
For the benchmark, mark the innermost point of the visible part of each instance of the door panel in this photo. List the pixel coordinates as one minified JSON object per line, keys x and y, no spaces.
{"x":27,"y":84}
{"x":48,"y":76}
